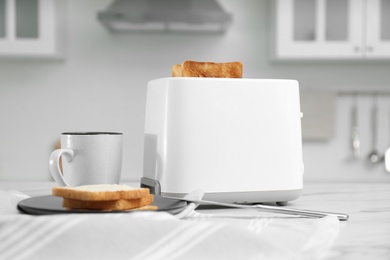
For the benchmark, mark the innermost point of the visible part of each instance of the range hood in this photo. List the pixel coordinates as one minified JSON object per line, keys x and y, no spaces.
{"x":165,"y":15}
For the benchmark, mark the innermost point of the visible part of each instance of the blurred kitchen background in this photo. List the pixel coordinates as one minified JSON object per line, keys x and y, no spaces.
{"x":73,"y":72}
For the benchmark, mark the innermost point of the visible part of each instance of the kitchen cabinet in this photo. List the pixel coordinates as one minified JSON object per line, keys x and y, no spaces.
{"x":31,"y":28}
{"x":332,"y":29}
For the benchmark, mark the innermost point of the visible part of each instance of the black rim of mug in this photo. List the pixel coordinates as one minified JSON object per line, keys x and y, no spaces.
{"x":91,"y":133}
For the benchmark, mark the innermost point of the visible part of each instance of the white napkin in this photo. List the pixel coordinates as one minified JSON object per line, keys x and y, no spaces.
{"x":9,"y":200}
{"x":159,"y":235}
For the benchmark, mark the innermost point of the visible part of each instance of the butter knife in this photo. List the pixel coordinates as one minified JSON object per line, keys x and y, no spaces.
{"x":267,"y":208}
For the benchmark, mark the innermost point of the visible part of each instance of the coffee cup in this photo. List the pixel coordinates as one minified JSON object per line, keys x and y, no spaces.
{"x":87,"y":158}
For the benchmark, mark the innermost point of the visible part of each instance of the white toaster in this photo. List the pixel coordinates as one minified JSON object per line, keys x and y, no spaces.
{"x":238,"y":140}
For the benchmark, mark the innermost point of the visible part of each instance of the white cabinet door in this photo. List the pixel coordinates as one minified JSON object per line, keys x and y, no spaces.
{"x":30,"y":28}
{"x":325,"y":29}
{"x":378,"y":29}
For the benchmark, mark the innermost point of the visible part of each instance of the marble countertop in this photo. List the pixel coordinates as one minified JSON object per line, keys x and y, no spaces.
{"x":366,"y":235}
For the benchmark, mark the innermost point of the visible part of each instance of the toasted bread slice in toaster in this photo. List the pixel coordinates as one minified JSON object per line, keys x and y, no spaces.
{"x":208,"y":69}
{"x":176,"y":71}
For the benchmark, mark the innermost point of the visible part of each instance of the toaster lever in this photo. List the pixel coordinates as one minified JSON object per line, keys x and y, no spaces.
{"x":153,"y":185}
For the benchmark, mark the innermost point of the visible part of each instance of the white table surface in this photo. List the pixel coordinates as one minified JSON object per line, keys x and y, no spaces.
{"x":366,"y":235}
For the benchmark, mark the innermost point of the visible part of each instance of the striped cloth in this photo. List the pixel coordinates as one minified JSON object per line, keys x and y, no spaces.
{"x":159,"y":235}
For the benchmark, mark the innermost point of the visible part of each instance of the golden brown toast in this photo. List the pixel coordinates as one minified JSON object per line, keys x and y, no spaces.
{"x":102,"y":192}
{"x":176,"y":71}
{"x":111,"y":205}
{"x":208,"y":69}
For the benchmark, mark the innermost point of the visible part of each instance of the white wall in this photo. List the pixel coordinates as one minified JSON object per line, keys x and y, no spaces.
{"x":101,"y":84}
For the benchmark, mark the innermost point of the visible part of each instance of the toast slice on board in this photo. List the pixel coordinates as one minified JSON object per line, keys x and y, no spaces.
{"x":100,"y":192}
{"x":110,"y":205}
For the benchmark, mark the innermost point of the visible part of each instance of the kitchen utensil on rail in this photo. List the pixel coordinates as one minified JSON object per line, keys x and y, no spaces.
{"x":355,"y":135}
{"x":267,"y":208}
{"x":374,"y":156}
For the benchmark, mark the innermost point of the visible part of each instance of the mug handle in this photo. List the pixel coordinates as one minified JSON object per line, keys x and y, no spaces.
{"x":54,"y":165}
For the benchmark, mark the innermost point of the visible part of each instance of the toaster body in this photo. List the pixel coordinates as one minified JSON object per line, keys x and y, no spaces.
{"x":238,"y":140}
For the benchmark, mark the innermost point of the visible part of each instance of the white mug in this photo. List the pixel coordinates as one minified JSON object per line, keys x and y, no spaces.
{"x":88,"y":158}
